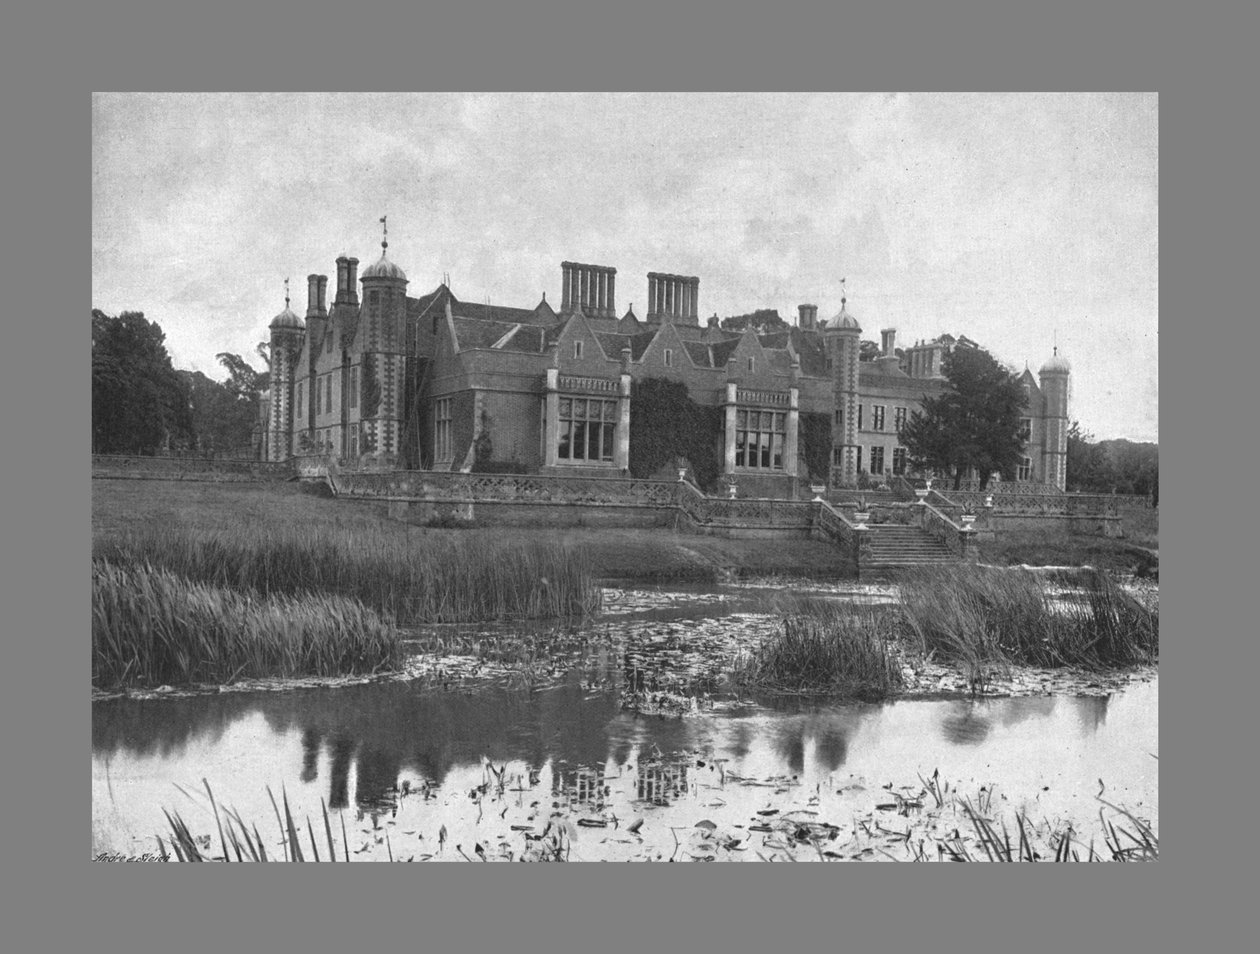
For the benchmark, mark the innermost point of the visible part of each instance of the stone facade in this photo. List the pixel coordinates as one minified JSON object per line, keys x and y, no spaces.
{"x":385,"y":381}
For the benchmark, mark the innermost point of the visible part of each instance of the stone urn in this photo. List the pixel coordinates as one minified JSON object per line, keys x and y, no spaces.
{"x":988,"y":501}
{"x":682,"y":473}
{"x":921,"y":493}
{"x":967,"y":520}
{"x":817,"y":490}
{"x":731,"y":490}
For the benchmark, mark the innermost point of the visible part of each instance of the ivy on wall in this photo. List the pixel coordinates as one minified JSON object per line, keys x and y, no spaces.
{"x":815,"y":434}
{"x":371,"y":387}
{"x":668,"y":427}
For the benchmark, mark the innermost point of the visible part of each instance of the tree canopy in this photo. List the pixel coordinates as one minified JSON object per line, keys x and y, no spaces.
{"x":1118,"y":466}
{"x":974,"y":424}
{"x":140,"y":405}
{"x":763,"y":319}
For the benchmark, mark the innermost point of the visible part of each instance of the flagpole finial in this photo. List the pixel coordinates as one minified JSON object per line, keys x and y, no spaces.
{"x":286,"y":293}
{"x":843,"y":298}
{"x":384,"y":232}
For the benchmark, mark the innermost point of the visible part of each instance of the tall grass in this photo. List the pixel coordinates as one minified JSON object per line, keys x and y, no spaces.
{"x":825,"y":647}
{"x":150,"y":627}
{"x":454,"y":581}
{"x":986,"y":616}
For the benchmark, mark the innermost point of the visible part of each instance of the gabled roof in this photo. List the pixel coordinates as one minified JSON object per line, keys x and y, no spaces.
{"x":611,"y":343}
{"x":701,"y":353}
{"x":477,"y":333}
{"x":722,"y":351}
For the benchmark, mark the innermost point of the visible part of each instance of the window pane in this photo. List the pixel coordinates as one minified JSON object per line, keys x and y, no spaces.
{"x":579,"y":409}
{"x":777,"y":455}
{"x":741,"y":419}
{"x":765,"y":450}
{"x":566,"y":407}
{"x":610,"y":410}
{"x":780,"y":422}
{"x":741,"y":438}
{"x":579,"y":440}
{"x":565,"y":428}
{"x":608,"y":441}
{"x":593,"y":439}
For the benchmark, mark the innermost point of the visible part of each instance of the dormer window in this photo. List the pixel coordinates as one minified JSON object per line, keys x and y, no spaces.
{"x":577,"y":350}
{"x":669,"y":358}
{"x":752,"y":364}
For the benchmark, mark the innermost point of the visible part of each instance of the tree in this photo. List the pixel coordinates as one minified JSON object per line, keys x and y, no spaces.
{"x":224,"y":414}
{"x":975,"y":424}
{"x":1086,"y":464}
{"x":139,"y":404}
{"x":762,"y":320}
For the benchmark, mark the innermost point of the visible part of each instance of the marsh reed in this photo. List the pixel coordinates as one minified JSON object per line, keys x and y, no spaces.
{"x":421,"y":581}
{"x":152,"y":627}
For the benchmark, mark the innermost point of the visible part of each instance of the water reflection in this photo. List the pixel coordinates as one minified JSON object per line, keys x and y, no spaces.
{"x":966,"y":724}
{"x":357,"y":747}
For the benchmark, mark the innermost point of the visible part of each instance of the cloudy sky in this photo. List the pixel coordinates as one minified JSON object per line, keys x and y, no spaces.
{"x":1012,"y":219}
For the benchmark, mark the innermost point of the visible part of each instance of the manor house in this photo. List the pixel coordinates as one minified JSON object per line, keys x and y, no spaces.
{"x":381,"y":380}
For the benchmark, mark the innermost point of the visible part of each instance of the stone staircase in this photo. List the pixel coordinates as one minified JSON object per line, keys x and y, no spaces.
{"x":893,"y":546}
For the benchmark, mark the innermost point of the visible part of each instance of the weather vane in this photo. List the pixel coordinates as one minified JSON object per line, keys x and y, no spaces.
{"x":384,"y":232}
{"x":843,"y":299}
{"x":286,"y":293}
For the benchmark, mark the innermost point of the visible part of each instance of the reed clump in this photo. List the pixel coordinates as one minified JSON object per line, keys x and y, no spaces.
{"x":826,"y":647}
{"x":989,"y":616}
{"x":415,"y":582}
{"x":153,"y":627}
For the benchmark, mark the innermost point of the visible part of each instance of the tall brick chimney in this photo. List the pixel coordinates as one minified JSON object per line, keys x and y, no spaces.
{"x":315,"y":296}
{"x":593,"y":288}
{"x":674,"y":298}
{"x":347,"y":286}
{"x":808,"y":317}
{"x":888,"y":338}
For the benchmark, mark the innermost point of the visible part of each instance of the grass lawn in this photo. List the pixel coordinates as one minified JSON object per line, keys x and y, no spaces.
{"x":623,"y":553}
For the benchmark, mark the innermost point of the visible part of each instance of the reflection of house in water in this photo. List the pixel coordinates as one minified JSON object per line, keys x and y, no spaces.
{"x":831,"y":748}
{"x":789,"y":744}
{"x":966,"y":724}
{"x":657,"y":782}
{"x":339,"y":783}
{"x":1014,"y":711}
{"x":1091,"y":711}
{"x":583,"y":786}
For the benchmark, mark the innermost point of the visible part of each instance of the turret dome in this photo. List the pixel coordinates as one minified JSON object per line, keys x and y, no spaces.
{"x":843,"y":320}
{"x":1056,"y":365}
{"x":384,"y":268}
{"x":286,"y":319}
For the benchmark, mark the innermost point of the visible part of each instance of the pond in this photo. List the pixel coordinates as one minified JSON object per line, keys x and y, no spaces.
{"x":504,"y":768}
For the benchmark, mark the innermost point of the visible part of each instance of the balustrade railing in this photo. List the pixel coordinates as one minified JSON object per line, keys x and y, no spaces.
{"x":460,"y":487}
{"x":940,"y":526}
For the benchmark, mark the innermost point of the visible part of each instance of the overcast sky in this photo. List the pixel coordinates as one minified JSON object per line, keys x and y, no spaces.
{"x":1008,"y":218}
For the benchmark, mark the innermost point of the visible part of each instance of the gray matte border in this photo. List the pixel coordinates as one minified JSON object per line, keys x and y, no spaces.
{"x":55,"y":58}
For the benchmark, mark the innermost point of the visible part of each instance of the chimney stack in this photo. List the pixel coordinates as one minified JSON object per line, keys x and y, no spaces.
{"x":323,"y":294}
{"x":347,"y":292}
{"x":889,"y":336}
{"x":673,"y":298}
{"x":352,"y":286}
{"x":808,"y":317}
{"x":593,"y":288}
{"x":314,"y":298}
